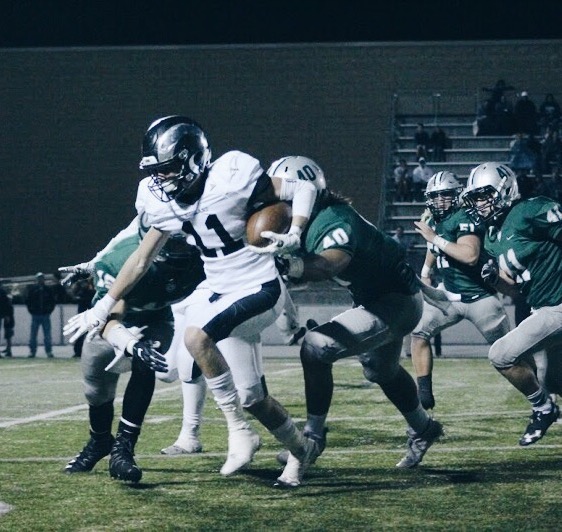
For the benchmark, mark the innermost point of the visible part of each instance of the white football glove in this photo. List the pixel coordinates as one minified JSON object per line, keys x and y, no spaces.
{"x":120,"y":337}
{"x":90,"y":321}
{"x":76,"y":272}
{"x":281,"y":243}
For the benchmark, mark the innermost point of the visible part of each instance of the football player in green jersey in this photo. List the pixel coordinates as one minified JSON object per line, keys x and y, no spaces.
{"x":524,"y":236}
{"x":454,"y":248}
{"x":340,"y":244}
{"x":141,"y":325}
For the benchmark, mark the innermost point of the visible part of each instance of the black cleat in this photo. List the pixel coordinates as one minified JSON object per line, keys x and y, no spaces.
{"x":90,"y":455}
{"x":122,"y":465}
{"x":540,"y":422}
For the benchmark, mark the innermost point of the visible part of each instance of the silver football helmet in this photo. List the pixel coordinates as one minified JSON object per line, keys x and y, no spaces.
{"x":176,"y":154}
{"x":442,"y":194}
{"x":490,"y":190}
{"x":298,"y":167}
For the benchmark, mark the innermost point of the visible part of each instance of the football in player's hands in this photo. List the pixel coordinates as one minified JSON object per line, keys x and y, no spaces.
{"x":274,"y":217}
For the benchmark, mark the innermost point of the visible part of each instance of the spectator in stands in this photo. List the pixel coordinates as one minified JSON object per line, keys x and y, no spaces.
{"x":496,"y":92}
{"x":420,"y":176}
{"x":400,"y":237}
{"x":522,"y":161}
{"x":7,"y":316}
{"x":551,"y":151}
{"x":439,"y":142}
{"x":549,"y":113}
{"x":503,"y":119}
{"x":422,"y":141}
{"x":525,"y":114}
{"x":40,"y":302}
{"x":402,"y":182}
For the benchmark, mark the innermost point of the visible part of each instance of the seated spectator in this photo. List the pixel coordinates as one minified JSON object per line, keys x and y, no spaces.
{"x":522,"y":159}
{"x":402,"y":182}
{"x":421,"y":139}
{"x":439,"y":142}
{"x":551,"y":151}
{"x":549,"y":113}
{"x":525,"y":114}
{"x":420,"y":176}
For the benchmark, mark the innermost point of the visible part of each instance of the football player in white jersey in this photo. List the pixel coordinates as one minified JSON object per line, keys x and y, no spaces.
{"x":242,"y":293}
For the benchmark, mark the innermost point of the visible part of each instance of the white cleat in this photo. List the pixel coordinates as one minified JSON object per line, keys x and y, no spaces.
{"x":190,"y":446}
{"x":242,"y":446}
{"x":293,"y":473}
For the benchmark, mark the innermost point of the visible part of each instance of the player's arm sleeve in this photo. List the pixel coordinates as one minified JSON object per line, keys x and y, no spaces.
{"x":547,"y":222}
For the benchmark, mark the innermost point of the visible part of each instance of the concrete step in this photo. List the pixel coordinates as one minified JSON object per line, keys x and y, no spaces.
{"x":460,"y":155}
{"x":459,"y":142}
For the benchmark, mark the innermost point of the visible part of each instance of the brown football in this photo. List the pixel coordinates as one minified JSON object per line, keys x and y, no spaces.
{"x":275,"y":217}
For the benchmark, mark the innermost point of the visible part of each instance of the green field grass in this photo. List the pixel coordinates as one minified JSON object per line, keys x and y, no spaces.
{"x":476,"y":478}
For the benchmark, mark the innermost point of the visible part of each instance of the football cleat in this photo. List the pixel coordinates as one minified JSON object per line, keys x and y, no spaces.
{"x":283,"y":456}
{"x":418,"y":444}
{"x":122,"y":465}
{"x":189,"y":446}
{"x":90,"y":455}
{"x":295,"y":468}
{"x":540,"y":421}
{"x":242,"y":446}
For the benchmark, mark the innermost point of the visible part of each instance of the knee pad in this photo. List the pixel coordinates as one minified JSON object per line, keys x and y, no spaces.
{"x":320,"y":344}
{"x":251,"y":395}
{"x":98,"y":395}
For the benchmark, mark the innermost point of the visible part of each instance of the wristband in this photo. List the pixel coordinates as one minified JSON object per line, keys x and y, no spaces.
{"x":106,"y":303}
{"x":295,"y":230}
{"x":296,"y":267}
{"x":440,"y":242}
{"x":426,"y":271}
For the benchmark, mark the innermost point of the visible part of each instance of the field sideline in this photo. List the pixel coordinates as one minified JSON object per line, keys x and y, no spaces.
{"x":476,"y":478}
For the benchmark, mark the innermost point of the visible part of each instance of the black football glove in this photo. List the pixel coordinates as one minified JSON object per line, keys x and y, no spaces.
{"x":490,"y":272}
{"x":145,"y":351}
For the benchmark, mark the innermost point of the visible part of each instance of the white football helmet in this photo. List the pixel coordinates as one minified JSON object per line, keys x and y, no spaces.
{"x":442,"y":194}
{"x":491,"y":189}
{"x":298,"y":167}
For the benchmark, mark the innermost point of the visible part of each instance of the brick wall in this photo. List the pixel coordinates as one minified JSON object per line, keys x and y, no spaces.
{"x":72,"y":121}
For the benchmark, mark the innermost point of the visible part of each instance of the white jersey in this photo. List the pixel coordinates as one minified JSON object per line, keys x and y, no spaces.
{"x":216,"y":223}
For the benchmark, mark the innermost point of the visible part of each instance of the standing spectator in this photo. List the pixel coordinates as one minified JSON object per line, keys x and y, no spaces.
{"x":525,"y":114}
{"x":403,"y":182}
{"x":40,"y":302}
{"x":439,"y":142}
{"x":549,"y":113}
{"x":422,"y":140}
{"x":7,"y":314}
{"x":503,"y":119}
{"x":420,"y":176}
{"x":83,"y":292}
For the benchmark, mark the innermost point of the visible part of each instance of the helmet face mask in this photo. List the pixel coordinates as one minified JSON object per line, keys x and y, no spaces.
{"x":176,"y":155}
{"x":442,"y":194}
{"x":490,"y":191}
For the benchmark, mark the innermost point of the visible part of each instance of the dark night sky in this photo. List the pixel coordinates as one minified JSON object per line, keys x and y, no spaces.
{"x":46,"y":23}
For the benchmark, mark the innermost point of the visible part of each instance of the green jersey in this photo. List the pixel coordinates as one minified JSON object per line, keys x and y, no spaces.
{"x":377,"y":264}
{"x":165,"y":283}
{"x":459,"y":278}
{"x":526,"y":249}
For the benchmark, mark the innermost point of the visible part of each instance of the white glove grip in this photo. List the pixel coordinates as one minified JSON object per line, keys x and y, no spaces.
{"x":121,"y":338}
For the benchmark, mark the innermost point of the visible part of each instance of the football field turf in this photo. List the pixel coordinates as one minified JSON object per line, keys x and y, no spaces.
{"x":476,"y":478}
